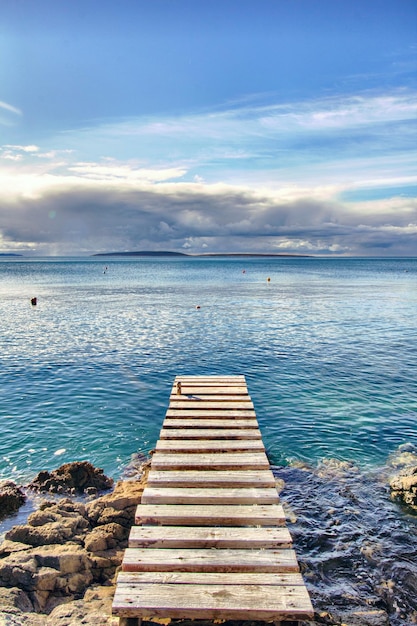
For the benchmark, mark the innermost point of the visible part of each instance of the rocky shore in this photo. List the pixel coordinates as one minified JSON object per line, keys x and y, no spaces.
{"x":59,"y":568}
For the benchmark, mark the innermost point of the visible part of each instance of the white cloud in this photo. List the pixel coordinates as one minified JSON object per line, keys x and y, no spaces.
{"x":118,"y":213}
{"x":288,"y":177}
{"x":118,"y":172}
{"x":10,"y":108}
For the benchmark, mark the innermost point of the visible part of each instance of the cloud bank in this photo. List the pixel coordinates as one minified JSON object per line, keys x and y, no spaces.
{"x":334,"y":176}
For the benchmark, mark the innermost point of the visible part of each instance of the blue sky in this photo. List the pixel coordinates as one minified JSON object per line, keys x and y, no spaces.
{"x":284,"y":126}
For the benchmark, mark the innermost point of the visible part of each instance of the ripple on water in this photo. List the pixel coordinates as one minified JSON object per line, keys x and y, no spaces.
{"x":355,"y":550}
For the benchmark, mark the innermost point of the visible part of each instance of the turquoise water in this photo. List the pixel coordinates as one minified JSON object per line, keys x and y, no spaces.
{"x":328,"y":347}
{"x":329,"y":351}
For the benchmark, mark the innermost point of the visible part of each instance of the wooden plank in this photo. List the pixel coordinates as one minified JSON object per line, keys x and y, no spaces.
{"x":213,"y":515}
{"x":211,"y":413}
{"x":238,"y":602}
{"x":210,"y":433}
{"x":209,"y":495}
{"x":208,"y":445}
{"x":239,"y":379}
{"x":201,"y":422}
{"x":213,"y":460}
{"x":206,"y":403}
{"x":212,"y":578}
{"x":187,"y":389}
{"x":209,"y":478}
{"x":208,"y":560}
{"x":209,"y":537}
{"x":213,"y":399}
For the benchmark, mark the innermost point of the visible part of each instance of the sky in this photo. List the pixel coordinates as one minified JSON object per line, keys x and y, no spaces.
{"x":204,"y":126}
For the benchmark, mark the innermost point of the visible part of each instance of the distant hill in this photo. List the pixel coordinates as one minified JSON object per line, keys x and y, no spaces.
{"x":209,"y":254}
{"x":9,"y":254}
{"x":141,"y":253}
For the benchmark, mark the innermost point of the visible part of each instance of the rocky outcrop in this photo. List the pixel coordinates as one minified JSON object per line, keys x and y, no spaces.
{"x":404,"y":487}
{"x":403,"y":483}
{"x":11,"y":498}
{"x":77,"y":477}
{"x":65,"y":550}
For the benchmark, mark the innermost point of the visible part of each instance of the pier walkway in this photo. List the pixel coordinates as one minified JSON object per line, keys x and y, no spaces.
{"x":210,"y":540}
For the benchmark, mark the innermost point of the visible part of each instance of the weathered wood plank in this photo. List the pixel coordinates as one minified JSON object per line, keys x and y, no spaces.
{"x":188,"y":389}
{"x":209,"y":537}
{"x":211,"y":413}
{"x":214,"y":423}
{"x":207,"y":403}
{"x":213,"y":460}
{"x":213,"y":515}
{"x":209,"y":560}
{"x":241,"y":602}
{"x":238,"y":379}
{"x":212,"y":578}
{"x":208,"y":445}
{"x":209,"y":478}
{"x":209,"y":495}
{"x":210,"y":433}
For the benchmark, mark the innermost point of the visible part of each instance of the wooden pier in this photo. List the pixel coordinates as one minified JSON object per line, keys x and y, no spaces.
{"x":210,"y":541}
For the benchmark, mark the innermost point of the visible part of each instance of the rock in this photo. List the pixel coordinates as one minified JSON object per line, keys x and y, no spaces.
{"x":11,"y":498}
{"x":15,"y":598}
{"x":404,"y":487}
{"x":7,"y":547}
{"x":119,"y":506}
{"x":53,"y":523}
{"x":93,"y":610}
{"x":363,"y":618}
{"x":335,"y":469}
{"x":65,"y":547}
{"x":78,"y":476}
{"x":106,"y":537}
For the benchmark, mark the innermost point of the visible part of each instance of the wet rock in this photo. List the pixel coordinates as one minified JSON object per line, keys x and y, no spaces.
{"x":11,"y":498}
{"x":74,"y":477}
{"x":404,"y":487}
{"x":336,"y":469}
{"x":362,"y":618}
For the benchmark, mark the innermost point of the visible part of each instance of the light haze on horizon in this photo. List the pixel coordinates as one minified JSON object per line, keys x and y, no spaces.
{"x":277,"y":126}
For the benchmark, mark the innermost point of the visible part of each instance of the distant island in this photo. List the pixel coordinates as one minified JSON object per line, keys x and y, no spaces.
{"x":141,"y":253}
{"x":9,"y":254}
{"x":208,"y":254}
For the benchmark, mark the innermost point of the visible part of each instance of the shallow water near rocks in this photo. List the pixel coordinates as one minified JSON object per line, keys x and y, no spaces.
{"x":357,"y":549}
{"x":328,"y":350}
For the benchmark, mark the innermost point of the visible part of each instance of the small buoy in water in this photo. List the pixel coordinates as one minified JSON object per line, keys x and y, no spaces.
{"x":198,"y":307}
{"x":34,"y":301}
{"x":268,"y":279}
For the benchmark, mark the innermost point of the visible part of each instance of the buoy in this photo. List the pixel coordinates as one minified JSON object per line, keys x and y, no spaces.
{"x":268,"y":279}
{"x":198,"y":307}
{"x":34,"y":301}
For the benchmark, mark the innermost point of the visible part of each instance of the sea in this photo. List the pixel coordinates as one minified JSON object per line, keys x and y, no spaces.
{"x":328,"y":347}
